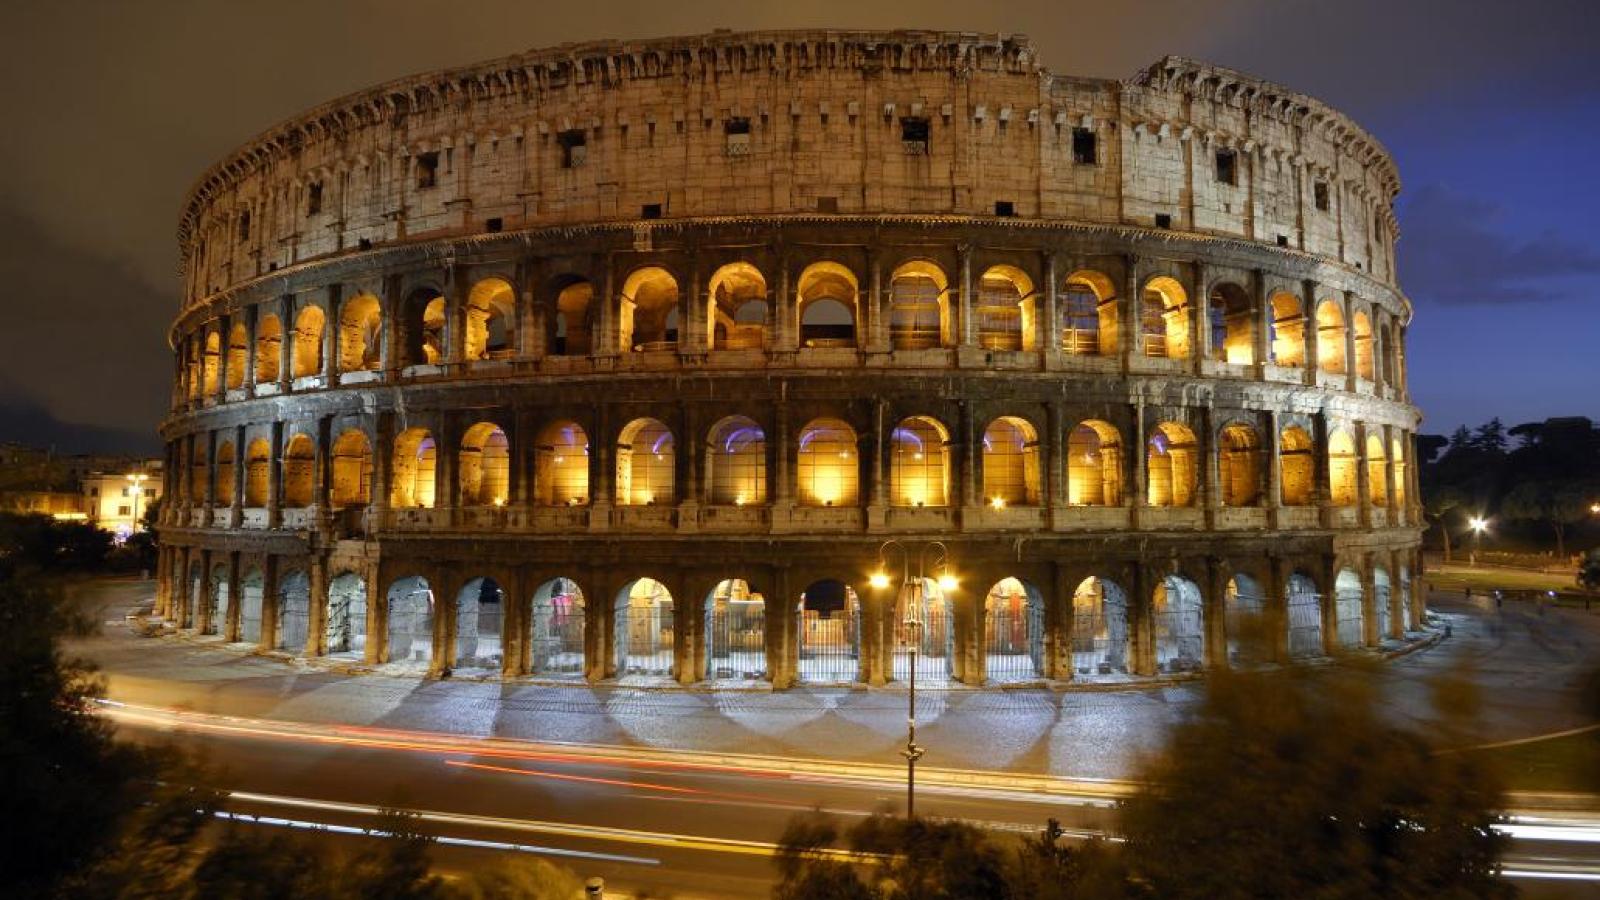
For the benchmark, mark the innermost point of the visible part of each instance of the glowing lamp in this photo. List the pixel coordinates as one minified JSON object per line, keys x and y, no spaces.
{"x":998,"y":502}
{"x":879,"y":580}
{"x":947,"y":582}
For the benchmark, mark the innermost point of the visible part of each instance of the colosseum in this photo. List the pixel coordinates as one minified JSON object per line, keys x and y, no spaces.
{"x":761,"y":358}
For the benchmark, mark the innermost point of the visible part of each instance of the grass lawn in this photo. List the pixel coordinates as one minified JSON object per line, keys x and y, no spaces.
{"x":1457,"y":576}
{"x":1570,"y":763}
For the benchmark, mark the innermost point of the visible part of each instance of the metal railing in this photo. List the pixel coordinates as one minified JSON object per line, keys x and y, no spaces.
{"x":830,"y":646}
{"x":1014,"y":644}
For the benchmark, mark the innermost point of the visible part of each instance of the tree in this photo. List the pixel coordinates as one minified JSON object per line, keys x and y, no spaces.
{"x":1295,"y":787}
{"x":1437,"y":503}
{"x":1558,"y":503}
{"x":1589,"y":571}
{"x":1490,"y":437}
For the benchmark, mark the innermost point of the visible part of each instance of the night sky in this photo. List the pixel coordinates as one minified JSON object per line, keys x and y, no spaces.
{"x":1491,"y":109}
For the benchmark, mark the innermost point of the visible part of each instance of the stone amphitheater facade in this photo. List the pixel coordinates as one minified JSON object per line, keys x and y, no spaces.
{"x":624,"y":360}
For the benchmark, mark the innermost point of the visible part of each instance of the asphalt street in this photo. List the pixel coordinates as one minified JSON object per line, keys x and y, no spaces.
{"x":684,"y":792}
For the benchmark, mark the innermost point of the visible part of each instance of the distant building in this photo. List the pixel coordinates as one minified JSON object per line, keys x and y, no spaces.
{"x":60,"y":504}
{"x":116,"y":501}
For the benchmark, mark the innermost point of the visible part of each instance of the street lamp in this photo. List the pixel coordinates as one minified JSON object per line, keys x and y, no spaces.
{"x":1479,"y":525}
{"x":137,"y":479}
{"x":912,"y":601}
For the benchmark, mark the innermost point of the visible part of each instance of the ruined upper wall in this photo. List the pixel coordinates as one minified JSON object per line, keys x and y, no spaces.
{"x":487,"y":147}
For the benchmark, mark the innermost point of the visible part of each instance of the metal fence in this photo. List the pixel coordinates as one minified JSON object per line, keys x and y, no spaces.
{"x":555,"y":639}
{"x":1243,"y":619}
{"x":1348,"y":617}
{"x":1305,"y":624}
{"x":1180,"y":633}
{"x":1014,"y":643}
{"x":934,"y":639}
{"x":644,"y":639}
{"x":736,"y":641}
{"x":830,"y":645}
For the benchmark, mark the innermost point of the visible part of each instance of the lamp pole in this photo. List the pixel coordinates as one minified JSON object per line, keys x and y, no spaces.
{"x":138,"y":480}
{"x":911,"y":598}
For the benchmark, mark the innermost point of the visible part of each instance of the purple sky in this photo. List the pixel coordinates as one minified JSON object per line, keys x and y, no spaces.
{"x":1491,"y":112}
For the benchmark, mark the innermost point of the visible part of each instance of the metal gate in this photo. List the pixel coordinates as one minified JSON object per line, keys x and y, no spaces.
{"x":645,"y":639}
{"x":830,"y":645}
{"x":1305,"y":624}
{"x":1100,"y":638}
{"x":1014,"y":643}
{"x":937,"y":641}
{"x":737,"y":641}
{"x":556,"y":641}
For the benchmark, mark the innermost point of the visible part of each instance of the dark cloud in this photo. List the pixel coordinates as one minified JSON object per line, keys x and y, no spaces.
{"x":1451,"y":252}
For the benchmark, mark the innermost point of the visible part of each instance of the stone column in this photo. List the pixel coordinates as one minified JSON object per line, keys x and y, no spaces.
{"x":211,"y":475}
{"x":1215,"y":618}
{"x":879,"y":449}
{"x":1141,"y":625}
{"x":966,"y":332}
{"x":688,"y":463}
{"x":1056,"y":462}
{"x":784,"y":329}
{"x":251,"y":314}
{"x":208,"y":596}
{"x":1363,"y":483}
{"x":1050,"y":314}
{"x":877,"y":331}
{"x":269,"y":603}
{"x":1138,"y":458}
{"x":783,"y":481}
{"x":240,"y":469}
{"x":1309,"y":329}
{"x":1273,"y":487}
{"x":330,"y":335}
{"x":275,"y":479}
{"x":230,"y":628}
{"x":1350,"y":367}
{"x":1130,"y":337}
{"x":1395,"y":517}
{"x":221,"y":394}
{"x":1277,"y":609}
{"x":383,"y":434}
{"x":1210,"y":493}
{"x":968,"y":460}
{"x":317,"y":614}
{"x":1200,"y":318}
{"x":323,"y":479}
{"x":1369,"y":603}
{"x":1321,"y":488}
{"x":455,"y":320}
{"x":286,"y":333}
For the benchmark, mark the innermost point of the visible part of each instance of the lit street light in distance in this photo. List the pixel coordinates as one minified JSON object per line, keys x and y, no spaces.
{"x":1479,"y":525}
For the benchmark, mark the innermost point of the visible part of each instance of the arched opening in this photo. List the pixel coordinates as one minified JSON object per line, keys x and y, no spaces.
{"x":1342,"y":469}
{"x":1094,"y":465}
{"x":221,"y":600}
{"x":238,"y":356}
{"x":299,"y":465}
{"x":1386,"y":340}
{"x":485,"y":464}
{"x":225,"y":474}
{"x":1348,"y":614}
{"x":1288,"y":331}
{"x":251,"y":596}
{"x":423,"y":318}
{"x":352,"y":470}
{"x":1304,"y":608}
{"x":1244,"y":608}
{"x":269,"y":348}
{"x":919,"y":468}
{"x":491,"y":320}
{"x":1381,"y":598}
{"x":294,"y":611}
{"x":736,"y":632}
{"x":1398,"y":455}
{"x":480,"y":613}
{"x":410,"y":630}
{"x":828,"y":298}
{"x":644,"y":629}
{"x":1297,"y":459}
{"x":645,"y":462}
{"x":1363,"y":342}
{"x":829,"y":633}
{"x":1240,"y":464}
{"x":1013,"y":628}
{"x":1010,"y":463}
{"x":828,"y":465}
{"x":192,"y":368}
{"x":923,"y":619}
{"x":257,"y":473}
{"x":555,"y":629}
{"x":210,"y":363}
{"x":736,"y":457}
{"x":1171,"y":466}
{"x":561,"y":465}
{"x":1179,"y":625}
{"x":1099,"y":628}
{"x":1164,"y":319}
{"x":737,"y":308}
{"x":649,"y":299}
{"x":1233,"y":325}
{"x":306,"y":355}
{"x":1003,"y":294}
{"x":199,"y":469}
{"x":573,"y":328}
{"x":346,"y":628}
{"x":1377,"y":472}
{"x":1088,"y":310}
{"x":360,"y":334}
{"x":416,"y":461}
{"x":918,"y":307}
{"x":1330,"y":337}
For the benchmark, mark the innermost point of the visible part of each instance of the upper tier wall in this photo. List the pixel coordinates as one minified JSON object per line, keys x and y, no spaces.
{"x":482,"y":148}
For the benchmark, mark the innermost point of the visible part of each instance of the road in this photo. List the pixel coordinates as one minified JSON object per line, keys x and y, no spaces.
{"x":683,"y":793}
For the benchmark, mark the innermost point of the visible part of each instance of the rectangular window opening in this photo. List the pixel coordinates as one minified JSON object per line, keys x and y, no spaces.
{"x":313,"y":198}
{"x":1163,"y":220}
{"x":737,"y":130}
{"x":494,"y":225}
{"x":244,"y":226}
{"x":1227,"y":167}
{"x":1004,"y":208}
{"x":1083,"y":147}
{"x":1319,"y":193}
{"x":650,"y":211}
{"x":574,"y":148}
{"x":914,"y":132}
{"x":427,"y":169}
{"x":827,"y":204}
{"x":1283,"y":240}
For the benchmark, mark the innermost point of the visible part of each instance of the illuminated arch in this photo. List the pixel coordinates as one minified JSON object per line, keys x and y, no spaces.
{"x":306,"y":356}
{"x":1232,"y":317}
{"x":1094,"y":464}
{"x":1100,"y":629}
{"x":484,"y":466}
{"x":491,"y":320}
{"x":1239,"y":463}
{"x":736,"y":308}
{"x":572,"y":329}
{"x":1288,"y":331}
{"x":1011,"y":463}
{"x":828,"y":464}
{"x":648,"y":314}
{"x":919,"y":306}
{"x":919,"y":467}
{"x":1363,"y":341}
{"x":1342,"y":464}
{"x":360,"y":334}
{"x":1164,"y":319}
{"x":352,"y":470}
{"x":1377,"y":472}
{"x":1330,"y":338}
{"x":828,"y":295}
{"x":1172,"y":466}
{"x":736,"y":455}
{"x":561,"y":465}
{"x":224,"y":464}
{"x":299,"y":466}
{"x":645,"y":462}
{"x":1004,"y":310}
{"x":258,"y":473}
{"x":269,"y":348}
{"x":238,"y":356}
{"x":415,"y":464}
{"x":1088,"y":312}
{"x":1297,"y":460}
{"x":210,"y":362}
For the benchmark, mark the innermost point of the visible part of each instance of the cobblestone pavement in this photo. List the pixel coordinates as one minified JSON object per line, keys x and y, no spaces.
{"x":1526,"y":665}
